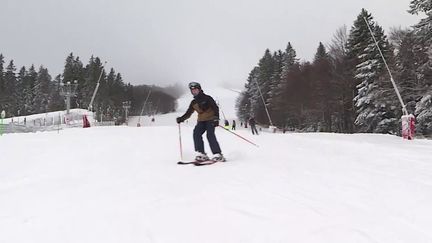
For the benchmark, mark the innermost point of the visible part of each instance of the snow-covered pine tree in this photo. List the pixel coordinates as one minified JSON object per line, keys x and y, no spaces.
{"x":405,"y":67}
{"x":70,"y":73}
{"x":74,"y":71}
{"x":279,"y":94}
{"x":374,"y":113}
{"x":423,"y":54}
{"x":107,"y":92}
{"x":358,"y":40}
{"x":243,"y":105}
{"x":42,"y":90}
{"x":266,"y":70}
{"x":29,"y":91}
{"x":2,"y":100}
{"x":20,"y":90}
{"x":423,"y":36}
{"x":10,"y":102}
{"x":56,"y":101}
{"x":92,"y":72}
{"x":424,"y":27}
{"x":117,"y":91}
{"x":424,"y":115}
{"x":274,"y":83}
{"x":253,"y":93}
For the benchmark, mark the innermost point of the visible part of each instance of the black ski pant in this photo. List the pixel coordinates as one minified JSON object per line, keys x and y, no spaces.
{"x":200,"y":128}
{"x":253,"y":128}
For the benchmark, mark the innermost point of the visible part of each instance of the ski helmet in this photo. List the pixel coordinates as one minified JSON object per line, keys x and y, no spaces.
{"x":193,"y":85}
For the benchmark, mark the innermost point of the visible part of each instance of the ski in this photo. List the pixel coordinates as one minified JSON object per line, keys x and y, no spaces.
{"x":186,"y":162}
{"x":197,"y":163}
{"x":207,"y":162}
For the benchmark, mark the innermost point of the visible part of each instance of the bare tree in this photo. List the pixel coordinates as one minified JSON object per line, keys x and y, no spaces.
{"x":337,"y":47}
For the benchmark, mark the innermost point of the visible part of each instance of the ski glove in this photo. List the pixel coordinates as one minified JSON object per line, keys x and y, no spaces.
{"x":179,"y":120}
{"x":216,"y":122}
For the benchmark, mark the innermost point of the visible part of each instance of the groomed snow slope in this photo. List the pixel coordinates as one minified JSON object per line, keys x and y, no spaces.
{"x":122,"y":184}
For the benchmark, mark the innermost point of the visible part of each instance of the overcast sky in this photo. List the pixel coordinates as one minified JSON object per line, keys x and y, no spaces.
{"x":163,"y":42}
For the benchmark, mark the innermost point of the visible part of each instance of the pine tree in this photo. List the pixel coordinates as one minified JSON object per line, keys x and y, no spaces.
{"x":294,"y":87}
{"x":20,"y":90}
{"x":359,"y":37}
{"x":321,"y":88}
{"x":56,"y":101}
{"x":42,"y":90}
{"x":374,"y":113}
{"x":280,"y":99}
{"x":405,"y":65}
{"x":253,"y":92}
{"x":423,"y":53}
{"x":342,"y":81}
{"x":10,"y":104}
{"x":424,"y":115}
{"x":274,"y":83}
{"x":243,"y":105}
{"x":358,"y":40}
{"x":117,"y":92}
{"x":68,"y":72}
{"x":29,"y":85}
{"x":74,"y":72}
{"x":2,"y":83}
{"x":263,"y":81}
{"x":424,"y":27}
{"x":92,"y":73}
{"x":107,"y":92}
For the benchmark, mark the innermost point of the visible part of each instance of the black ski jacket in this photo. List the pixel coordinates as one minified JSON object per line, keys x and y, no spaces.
{"x":205,"y":106}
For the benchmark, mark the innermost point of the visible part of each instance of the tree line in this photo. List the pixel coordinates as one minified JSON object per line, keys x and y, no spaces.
{"x":31,"y":90}
{"x":346,"y":88}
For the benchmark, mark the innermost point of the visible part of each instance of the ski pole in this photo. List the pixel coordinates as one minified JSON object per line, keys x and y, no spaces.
{"x":181,"y":149}
{"x":238,"y":135}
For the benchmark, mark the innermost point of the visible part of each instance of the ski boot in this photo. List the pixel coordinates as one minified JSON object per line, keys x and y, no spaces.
{"x":200,"y":157}
{"x":218,"y":158}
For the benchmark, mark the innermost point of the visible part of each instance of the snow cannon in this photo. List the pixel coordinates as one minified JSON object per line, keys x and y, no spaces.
{"x":408,"y":126}
{"x":86,"y":122}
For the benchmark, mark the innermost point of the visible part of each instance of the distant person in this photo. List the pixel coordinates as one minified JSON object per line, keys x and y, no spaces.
{"x":226,"y":124}
{"x":252,"y":124}
{"x":233,"y":126}
{"x":208,"y":119}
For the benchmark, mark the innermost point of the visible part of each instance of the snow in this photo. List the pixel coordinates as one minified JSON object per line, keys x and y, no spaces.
{"x":75,"y":114}
{"x":122,"y":184}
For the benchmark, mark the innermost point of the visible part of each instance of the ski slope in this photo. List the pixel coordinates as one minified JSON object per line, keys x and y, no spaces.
{"x":122,"y":184}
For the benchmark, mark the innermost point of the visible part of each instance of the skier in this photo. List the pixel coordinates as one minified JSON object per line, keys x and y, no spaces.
{"x":233,"y":126}
{"x":252,"y":124}
{"x":208,"y":119}
{"x":226,"y":124}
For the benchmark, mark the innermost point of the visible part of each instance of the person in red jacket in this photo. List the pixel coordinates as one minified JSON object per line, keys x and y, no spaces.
{"x":208,"y":119}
